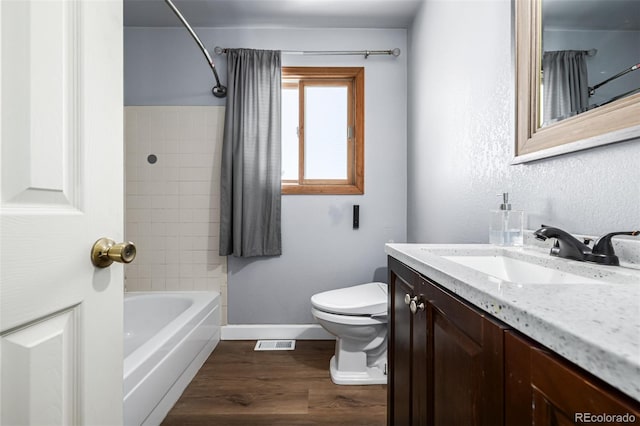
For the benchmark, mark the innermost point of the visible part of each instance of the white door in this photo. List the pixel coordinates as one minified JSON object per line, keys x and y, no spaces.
{"x":61,"y":188}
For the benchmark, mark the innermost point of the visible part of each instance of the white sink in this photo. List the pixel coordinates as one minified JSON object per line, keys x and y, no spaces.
{"x":519,"y":271}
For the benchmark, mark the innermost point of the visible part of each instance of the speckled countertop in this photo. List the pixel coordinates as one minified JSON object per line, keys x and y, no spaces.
{"x":596,"y":325}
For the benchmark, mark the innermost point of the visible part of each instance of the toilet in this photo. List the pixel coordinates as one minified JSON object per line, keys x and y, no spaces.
{"x":357,"y":316}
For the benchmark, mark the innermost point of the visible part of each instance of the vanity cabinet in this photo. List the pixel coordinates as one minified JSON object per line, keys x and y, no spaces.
{"x":445,"y":357}
{"x":542,"y":388}
{"x":407,"y":346}
{"x":464,"y":362}
{"x":451,"y":363}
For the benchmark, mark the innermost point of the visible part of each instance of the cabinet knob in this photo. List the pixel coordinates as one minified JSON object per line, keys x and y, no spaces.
{"x":408,"y":299}
{"x":414,"y":306}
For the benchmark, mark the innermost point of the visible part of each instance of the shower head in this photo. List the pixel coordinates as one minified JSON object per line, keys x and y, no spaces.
{"x":219,"y":91}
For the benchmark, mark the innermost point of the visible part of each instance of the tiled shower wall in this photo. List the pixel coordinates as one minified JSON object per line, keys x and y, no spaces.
{"x":172,"y":204}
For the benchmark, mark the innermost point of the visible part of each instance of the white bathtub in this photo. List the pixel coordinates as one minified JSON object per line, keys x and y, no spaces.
{"x":167,"y":338}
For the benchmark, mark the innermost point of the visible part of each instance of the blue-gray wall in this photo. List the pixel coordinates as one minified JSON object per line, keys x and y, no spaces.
{"x":461,"y":137}
{"x":320,"y":249}
{"x":436,"y":177}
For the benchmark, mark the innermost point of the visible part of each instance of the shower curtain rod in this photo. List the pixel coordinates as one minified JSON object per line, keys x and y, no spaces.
{"x":592,"y":90}
{"x":219,"y":91}
{"x":366,"y":53}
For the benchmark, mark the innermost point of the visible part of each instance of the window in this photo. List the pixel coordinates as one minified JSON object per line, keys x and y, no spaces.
{"x":322,"y":130}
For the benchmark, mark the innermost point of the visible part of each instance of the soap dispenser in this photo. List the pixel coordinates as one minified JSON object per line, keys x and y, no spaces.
{"x":506,"y":225}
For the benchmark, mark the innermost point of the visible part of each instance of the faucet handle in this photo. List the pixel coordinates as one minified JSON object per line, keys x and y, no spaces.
{"x":604,"y":246}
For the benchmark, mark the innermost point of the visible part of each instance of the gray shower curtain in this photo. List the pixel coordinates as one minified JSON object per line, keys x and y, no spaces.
{"x":250,"y":183}
{"x":565,"y":81}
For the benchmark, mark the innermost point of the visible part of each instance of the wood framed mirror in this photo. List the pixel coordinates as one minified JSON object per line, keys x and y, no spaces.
{"x":616,"y":121}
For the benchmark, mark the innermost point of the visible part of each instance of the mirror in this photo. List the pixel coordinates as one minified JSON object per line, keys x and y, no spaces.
{"x":601,"y":107}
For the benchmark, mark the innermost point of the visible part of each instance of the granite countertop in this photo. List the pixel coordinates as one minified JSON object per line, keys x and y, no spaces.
{"x":596,"y":325}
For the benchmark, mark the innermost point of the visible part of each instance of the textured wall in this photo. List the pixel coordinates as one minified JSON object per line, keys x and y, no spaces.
{"x":172,"y":206}
{"x":461,"y":133}
{"x":320,"y":249}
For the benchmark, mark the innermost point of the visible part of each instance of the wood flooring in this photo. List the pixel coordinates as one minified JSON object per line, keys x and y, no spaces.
{"x":238,"y":386}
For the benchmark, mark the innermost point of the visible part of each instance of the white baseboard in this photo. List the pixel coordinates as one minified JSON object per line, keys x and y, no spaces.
{"x":275,"y":331}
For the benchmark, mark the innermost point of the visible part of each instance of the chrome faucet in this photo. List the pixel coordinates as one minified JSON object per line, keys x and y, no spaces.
{"x":569,"y":247}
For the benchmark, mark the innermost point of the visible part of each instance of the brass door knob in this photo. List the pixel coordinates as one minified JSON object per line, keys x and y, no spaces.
{"x":105,"y":251}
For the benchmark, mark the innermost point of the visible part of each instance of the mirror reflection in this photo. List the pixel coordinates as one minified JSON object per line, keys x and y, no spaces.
{"x":590,"y":55}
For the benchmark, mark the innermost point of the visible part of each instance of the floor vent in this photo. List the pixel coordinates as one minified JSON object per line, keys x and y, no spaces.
{"x":275,"y":345}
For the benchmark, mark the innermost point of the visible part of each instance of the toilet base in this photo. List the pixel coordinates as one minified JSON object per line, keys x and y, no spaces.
{"x":373,"y":375}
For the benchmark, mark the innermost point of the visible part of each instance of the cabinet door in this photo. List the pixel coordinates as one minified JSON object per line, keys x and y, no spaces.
{"x":545,"y":389}
{"x":465,"y":371}
{"x":402,"y":282}
{"x":421,"y":398}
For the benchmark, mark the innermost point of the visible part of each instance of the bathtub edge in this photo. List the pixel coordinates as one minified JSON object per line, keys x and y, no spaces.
{"x":171,"y":397}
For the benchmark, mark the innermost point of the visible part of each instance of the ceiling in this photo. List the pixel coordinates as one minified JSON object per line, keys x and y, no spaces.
{"x":274,"y":13}
{"x":564,"y":14}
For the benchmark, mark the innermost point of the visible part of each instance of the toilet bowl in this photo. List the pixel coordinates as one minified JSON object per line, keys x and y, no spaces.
{"x":357,"y":316}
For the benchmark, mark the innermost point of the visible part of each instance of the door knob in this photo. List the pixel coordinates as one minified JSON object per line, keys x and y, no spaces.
{"x":105,"y":251}
{"x":414,"y":306}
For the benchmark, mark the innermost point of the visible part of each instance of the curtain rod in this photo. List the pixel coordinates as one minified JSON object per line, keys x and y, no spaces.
{"x":366,"y":53}
{"x":634,"y":67}
{"x":219,"y":91}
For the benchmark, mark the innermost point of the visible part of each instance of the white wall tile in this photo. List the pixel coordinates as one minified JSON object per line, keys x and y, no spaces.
{"x":173,"y":284}
{"x":172,"y":206}
{"x":158,"y":284}
{"x":142,"y":284}
{"x":172,"y":270}
{"x":200,"y":284}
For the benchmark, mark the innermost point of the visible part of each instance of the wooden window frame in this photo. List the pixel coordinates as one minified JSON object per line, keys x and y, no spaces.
{"x":330,"y":76}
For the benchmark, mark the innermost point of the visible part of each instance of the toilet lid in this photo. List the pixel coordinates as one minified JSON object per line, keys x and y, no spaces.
{"x":363,"y":299}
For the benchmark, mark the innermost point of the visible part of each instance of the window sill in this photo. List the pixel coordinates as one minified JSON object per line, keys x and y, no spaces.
{"x":322,"y":190}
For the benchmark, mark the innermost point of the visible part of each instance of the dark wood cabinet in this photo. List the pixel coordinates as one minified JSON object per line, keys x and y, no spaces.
{"x":403,"y":328}
{"x":464,"y":362}
{"x":451,"y":363}
{"x":544,"y":389}
{"x":445,"y":357}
